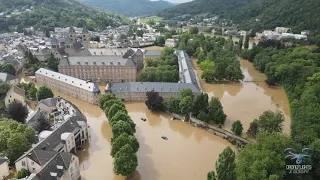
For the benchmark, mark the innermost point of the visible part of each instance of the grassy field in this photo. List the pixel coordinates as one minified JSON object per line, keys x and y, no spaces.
{"x":154,"y":48}
{"x":151,"y":18}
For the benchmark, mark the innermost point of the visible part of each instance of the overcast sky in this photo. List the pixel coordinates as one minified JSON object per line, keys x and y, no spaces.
{"x":179,"y":1}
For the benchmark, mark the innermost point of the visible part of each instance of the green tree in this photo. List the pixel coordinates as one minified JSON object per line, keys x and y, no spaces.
{"x":201,"y":57}
{"x":22,"y":174}
{"x":32,"y":93}
{"x":237,"y":127}
{"x":125,"y":161}
{"x":104,"y":98}
{"x":4,"y":87}
{"x":194,"y":30}
{"x":44,"y":93}
{"x":161,"y":40}
{"x":154,"y":101}
{"x":264,"y":158}
{"x":114,"y":109}
{"x":253,"y":129}
{"x":315,"y":145}
{"x":211,"y":175}
{"x":53,"y":63}
{"x":241,"y":42}
{"x":200,"y":103}
{"x":203,"y":116}
{"x":270,"y":121}
{"x":123,"y":140}
{"x":172,"y":105}
{"x":42,"y":123}
{"x":215,"y":110}
{"x":185,"y":106}
{"x":121,"y":127}
{"x":246,"y":42}
{"x":123,"y":116}
{"x":17,"y":144}
{"x":225,"y":165}
{"x":107,"y":105}
{"x":17,"y":111}
{"x":182,"y":46}
{"x":185,"y":93}
{"x":8,"y":68}
{"x":207,"y":64}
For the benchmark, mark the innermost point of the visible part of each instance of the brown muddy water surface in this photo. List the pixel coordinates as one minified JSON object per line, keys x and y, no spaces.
{"x":189,"y":154}
{"x":245,"y":101}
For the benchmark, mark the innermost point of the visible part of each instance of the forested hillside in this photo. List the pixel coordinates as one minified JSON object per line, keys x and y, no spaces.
{"x":218,"y":7}
{"x":256,"y":14}
{"x":297,"y":14}
{"x":47,"y":14}
{"x":130,"y":7}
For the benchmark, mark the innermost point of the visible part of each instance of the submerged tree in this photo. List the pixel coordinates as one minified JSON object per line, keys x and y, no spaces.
{"x":154,"y":101}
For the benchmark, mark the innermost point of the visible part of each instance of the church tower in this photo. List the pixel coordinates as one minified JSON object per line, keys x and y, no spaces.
{"x":85,"y":36}
{"x":72,"y":34}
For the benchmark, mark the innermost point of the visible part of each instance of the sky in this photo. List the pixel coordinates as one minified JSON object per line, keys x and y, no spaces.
{"x":179,"y":1}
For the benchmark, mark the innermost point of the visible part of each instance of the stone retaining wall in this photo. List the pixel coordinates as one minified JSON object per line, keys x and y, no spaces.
{"x":234,"y":139}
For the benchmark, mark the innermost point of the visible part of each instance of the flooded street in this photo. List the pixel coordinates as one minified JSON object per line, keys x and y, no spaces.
{"x":189,"y":154}
{"x":245,"y":101}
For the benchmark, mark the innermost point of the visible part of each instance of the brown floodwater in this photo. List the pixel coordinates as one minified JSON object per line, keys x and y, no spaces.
{"x":189,"y":153}
{"x":245,"y":101}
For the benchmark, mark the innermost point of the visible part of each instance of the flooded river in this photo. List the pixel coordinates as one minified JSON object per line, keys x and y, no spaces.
{"x":189,"y":153}
{"x":245,"y":101}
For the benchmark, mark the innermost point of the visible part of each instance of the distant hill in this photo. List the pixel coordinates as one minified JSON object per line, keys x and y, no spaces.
{"x":256,"y":14}
{"x":47,"y":14}
{"x":130,"y":7}
{"x":297,"y":14}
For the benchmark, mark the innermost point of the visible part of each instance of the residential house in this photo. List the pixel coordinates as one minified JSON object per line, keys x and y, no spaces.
{"x":281,"y":30}
{"x":8,"y":78}
{"x":4,"y":167}
{"x":171,"y":43}
{"x":52,"y":157}
{"x":42,"y":54}
{"x":15,"y":94}
{"x":152,"y":54}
